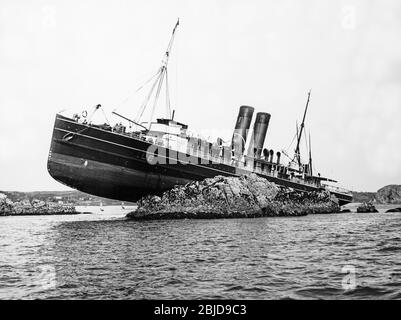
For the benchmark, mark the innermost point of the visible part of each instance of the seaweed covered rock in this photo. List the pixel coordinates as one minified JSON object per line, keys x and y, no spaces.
{"x":366,"y":208}
{"x":34,"y":207}
{"x":232,"y":197}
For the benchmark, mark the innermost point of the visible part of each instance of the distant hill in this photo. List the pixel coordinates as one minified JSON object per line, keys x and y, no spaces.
{"x":363,"y":196}
{"x":69,"y":197}
{"x":390,"y":194}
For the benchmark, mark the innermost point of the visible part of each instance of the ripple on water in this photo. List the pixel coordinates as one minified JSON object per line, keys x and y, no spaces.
{"x":267,"y":258}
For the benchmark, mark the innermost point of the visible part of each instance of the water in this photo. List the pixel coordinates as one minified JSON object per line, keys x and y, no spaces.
{"x":105,"y":256}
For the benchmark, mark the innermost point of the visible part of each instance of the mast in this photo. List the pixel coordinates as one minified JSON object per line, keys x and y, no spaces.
{"x":297,"y":152}
{"x":310,"y":156}
{"x":162,"y":74}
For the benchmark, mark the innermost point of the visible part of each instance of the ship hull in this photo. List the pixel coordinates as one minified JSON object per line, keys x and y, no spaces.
{"x":116,"y":166}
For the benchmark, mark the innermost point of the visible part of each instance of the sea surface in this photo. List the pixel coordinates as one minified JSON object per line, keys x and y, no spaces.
{"x":105,"y":256}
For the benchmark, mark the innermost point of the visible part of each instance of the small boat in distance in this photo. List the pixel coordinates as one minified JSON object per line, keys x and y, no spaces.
{"x":127,"y":163}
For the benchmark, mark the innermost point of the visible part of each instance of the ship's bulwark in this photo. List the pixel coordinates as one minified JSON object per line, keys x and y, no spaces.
{"x":114,"y":166}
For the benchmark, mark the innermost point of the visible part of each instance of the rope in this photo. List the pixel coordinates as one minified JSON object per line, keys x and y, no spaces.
{"x":133,"y":92}
{"x":306,"y":141}
{"x":156,"y":96}
{"x":104,"y":114}
{"x":158,"y":71}
{"x":71,"y":135}
{"x":176,"y":72}
{"x":167,"y":97}
{"x":93,"y":112}
{"x":293,"y":139}
{"x":159,"y":81}
{"x":144,"y":104}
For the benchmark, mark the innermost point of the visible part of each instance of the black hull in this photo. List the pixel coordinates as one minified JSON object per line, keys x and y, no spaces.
{"x":115,"y":166}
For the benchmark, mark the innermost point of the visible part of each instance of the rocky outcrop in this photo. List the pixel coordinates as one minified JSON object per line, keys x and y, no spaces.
{"x":34,"y":207}
{"x":390,"y":194}
{"x":232,"y":197}
{"x":366,"y":208}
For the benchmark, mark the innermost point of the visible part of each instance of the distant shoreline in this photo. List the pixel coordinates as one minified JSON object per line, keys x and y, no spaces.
{"x":71,"y":198}
{"x":34,"y":214}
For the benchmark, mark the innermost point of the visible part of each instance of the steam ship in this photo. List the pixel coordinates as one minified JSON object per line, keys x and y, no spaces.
{"x":127,"y":163}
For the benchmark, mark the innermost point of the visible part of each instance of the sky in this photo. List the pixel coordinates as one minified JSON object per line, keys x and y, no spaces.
{"x":57,"y":55}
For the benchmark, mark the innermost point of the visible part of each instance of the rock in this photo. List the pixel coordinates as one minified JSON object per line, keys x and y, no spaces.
{"x":36,"y":207}
{"x":394,"y":210}
{"x":6,"y":205}
{"x":232,"y":197}
{"x":22,"y":207}
{"x":389,"y":194}
{"x":366,"y":208}
{"x":38,"y":203}
{"x":345,"y":211}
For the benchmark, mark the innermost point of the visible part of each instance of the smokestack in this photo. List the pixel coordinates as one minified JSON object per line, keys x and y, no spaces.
{"x":241,"y":129}
{"x":266,"y":154}
{"x":271,"y":152}
{"x":278,"y":157}
{"x":259,"y":134}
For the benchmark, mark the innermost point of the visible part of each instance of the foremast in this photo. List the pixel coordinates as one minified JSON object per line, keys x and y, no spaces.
{"x":299,"y":134}
{"x":160,"y":76}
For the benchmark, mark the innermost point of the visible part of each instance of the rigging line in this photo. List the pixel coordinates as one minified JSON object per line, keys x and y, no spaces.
{"x":296,"y":153}
{"x":156,"y":96}
{"x":159,"y":80}
{"x":163,"y":71}
{"x":72,"y":134}
{"x":293,"y":139}
{"x":129,"y":120}
{"x":168,"y":97}
{"x":158,"y":71}
{"x":86,"y":127}
{"x":176,"y":72}
{"x":303,"y":124}
{"x":144,"y":104}
{"x":93,"y":112}
{"x":310,"y":156}
{"x":306,"y":141}
{"x":104,"y":114}
{"x":133,"y":92}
